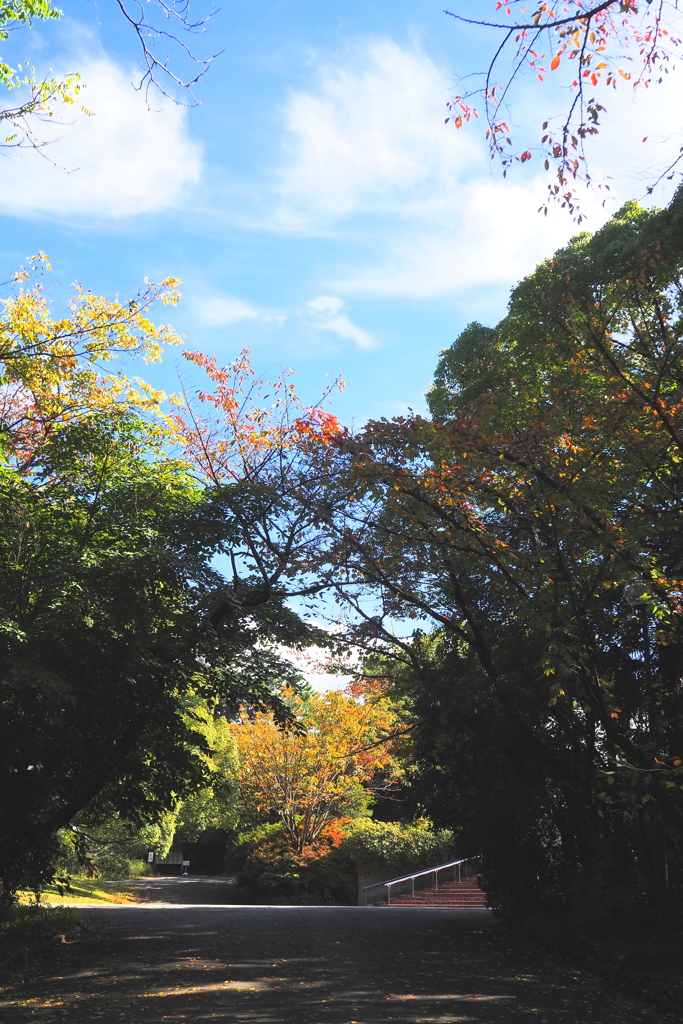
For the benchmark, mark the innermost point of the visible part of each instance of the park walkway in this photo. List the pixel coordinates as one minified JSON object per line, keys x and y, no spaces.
{"x":180,"y":960}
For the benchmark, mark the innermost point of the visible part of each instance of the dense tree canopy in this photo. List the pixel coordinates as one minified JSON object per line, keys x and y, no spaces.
{"x":549,"y":713}
{"x":115,"y":618}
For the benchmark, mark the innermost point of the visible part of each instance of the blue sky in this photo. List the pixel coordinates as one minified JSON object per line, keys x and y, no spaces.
{"x":315,"y":205}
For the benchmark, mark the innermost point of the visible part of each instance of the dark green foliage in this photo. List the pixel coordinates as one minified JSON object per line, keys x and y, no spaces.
{"x":548,"y":713}
{"x":395,"y":847}
{"x":106,"y":583}
{"x":473,"y":365}
{"x":99,"y":843}
{"x":581,"y":783}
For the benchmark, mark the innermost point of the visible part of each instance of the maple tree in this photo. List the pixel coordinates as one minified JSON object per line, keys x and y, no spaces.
{"x":257,"y":447}
{"x":549,"y":713}
{"x":592,"y":48}
{"x":308,"y":776}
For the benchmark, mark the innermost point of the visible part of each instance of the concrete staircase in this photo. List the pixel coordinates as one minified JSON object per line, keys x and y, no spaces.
{"x":464,"y":894}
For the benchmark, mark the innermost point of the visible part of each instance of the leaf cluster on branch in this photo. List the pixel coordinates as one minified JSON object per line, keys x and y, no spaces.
{"x":593,"y":48}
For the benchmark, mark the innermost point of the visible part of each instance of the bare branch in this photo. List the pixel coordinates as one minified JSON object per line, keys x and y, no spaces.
{"x":157,"y":71}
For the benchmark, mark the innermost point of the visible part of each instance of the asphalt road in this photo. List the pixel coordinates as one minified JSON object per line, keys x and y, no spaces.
{"x":188,"y":955}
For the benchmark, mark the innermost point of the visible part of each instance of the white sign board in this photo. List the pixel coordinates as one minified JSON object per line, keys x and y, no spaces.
{"x":150,"y":858}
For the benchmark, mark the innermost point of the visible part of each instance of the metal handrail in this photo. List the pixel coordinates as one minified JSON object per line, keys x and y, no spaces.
{"x":419,"y":874}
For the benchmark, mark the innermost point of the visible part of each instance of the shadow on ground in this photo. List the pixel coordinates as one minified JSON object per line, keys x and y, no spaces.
{"x":178,"y":890}
{"x":300,"y":965}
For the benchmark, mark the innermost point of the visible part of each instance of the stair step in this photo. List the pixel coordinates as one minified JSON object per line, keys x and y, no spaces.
{"x":466,"y":894}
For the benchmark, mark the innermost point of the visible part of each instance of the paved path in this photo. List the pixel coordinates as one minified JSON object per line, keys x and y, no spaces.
{"x":179,"y":960}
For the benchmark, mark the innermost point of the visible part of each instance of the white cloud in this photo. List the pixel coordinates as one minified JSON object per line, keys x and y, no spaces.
{"x":323,"y":670}
{"x":326,"y":305}
{"x":495,"y":237}
{"x":326,"y":315}
{"x":221,"y":311}
{"x":490,"y":230}
{"x":371,"y":137}
{"x":370,"y":160}
{"x":369,"y":155}
{"x":124,"y":161}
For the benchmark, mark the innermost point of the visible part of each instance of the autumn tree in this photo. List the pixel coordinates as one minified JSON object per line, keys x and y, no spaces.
{"x":115,"y":617}
{"x":258,"y":450}
{"x":547,"y":483}
{"x":589,"y":48}
{"x":321,"y":770}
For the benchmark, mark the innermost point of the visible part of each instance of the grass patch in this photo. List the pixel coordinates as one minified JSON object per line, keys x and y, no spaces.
{"x":81,"y":890}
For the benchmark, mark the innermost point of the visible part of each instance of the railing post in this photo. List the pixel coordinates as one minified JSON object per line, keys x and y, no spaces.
{"x":412,"y":886}
{"x":389,"y":895}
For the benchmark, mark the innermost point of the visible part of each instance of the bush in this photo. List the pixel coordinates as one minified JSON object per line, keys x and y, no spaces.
{"x":394,"y":847}
{"x":118,"y":867}
{"x":266,"y":867}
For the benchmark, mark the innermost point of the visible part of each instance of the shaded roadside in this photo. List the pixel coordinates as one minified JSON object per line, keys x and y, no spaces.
{"x":302,"y":965}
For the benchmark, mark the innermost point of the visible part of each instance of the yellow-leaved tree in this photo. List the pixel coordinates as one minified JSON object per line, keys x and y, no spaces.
{"x":55,"y":365}
{"x":307,"y":777}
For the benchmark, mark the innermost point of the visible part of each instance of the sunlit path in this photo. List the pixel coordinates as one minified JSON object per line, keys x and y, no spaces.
{"x":298,"y":965}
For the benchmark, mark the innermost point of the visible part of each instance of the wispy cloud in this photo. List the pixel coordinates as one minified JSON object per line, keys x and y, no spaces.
{"x":123,"y":161}
{"x":326,"y":315}
{"x":221,"y":311}
{"x":496,"y":236}
{"x":368,"y":158}
{"x":369,"y":136}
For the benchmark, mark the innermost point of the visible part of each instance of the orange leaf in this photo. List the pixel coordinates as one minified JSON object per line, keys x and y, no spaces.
{"x":555,"y":62}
